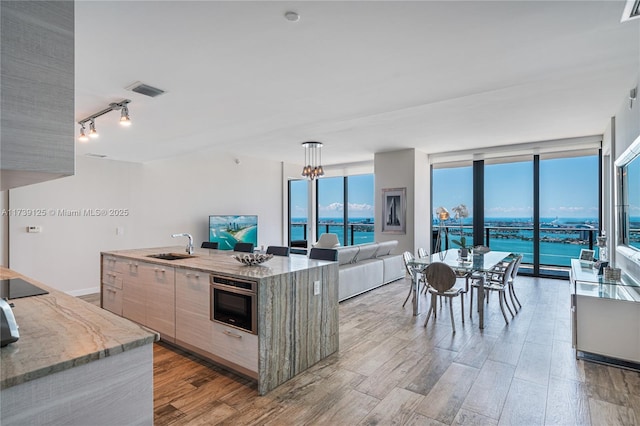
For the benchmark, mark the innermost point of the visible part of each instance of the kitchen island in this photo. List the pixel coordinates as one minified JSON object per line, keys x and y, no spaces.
{"x":74,"y":363}
{"x":296,"y":307}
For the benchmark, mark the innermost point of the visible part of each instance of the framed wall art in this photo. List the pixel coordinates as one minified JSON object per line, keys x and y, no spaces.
{"x":394,"y":210}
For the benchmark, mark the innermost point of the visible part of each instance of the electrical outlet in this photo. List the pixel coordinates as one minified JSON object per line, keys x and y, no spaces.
{"x":316,"y":288}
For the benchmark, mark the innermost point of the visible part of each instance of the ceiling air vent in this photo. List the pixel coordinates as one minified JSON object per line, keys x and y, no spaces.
{"x":631,"y":10}
{"x":145,"y":89}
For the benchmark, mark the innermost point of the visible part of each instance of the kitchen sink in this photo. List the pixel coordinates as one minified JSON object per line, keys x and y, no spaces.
{"x":171,"y":256}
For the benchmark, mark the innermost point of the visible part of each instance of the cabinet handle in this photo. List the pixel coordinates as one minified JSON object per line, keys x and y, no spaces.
{"x":189,"y":274}
{"x":159,"y":270}
{"x":230,"y":334}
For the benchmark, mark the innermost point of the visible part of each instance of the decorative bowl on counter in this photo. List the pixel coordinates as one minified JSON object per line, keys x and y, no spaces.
{"x":252,"y":258}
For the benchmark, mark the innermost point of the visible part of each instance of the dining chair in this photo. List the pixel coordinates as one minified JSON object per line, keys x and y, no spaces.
{"x":441,"y":279}
{"x":243,"y":247}
{"x":407,"y":257}
{"x":512,"y":291}
{"x":209,"y":245}
{"x":422,"y":252}
{"x":278,"y":250}
{"x":323,"y":254}
{"x":498,"y":281}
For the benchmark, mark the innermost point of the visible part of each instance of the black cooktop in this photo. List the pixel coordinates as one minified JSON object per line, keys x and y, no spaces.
{"x":16,"y":288}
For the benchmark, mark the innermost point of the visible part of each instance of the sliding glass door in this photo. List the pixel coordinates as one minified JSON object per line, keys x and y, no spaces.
{"x":545,"y":207}
{"x":569,"y":208}
{"x":508,"y":206}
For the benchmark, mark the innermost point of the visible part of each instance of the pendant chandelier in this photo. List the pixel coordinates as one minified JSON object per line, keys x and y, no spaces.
{"x":313,"y":160}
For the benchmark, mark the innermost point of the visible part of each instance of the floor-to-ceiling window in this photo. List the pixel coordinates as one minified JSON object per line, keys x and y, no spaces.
{"x":569,"y":207}
{"x":330,"y":207}
{"x":508,"y":206}
{"x":353,"y":224}
{"x":360,"y":211}
{"x":452,"y":186}
{"x":545,"y":206}
{"x":298,"y":212}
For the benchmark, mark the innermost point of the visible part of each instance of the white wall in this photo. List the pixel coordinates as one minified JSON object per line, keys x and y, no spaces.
{"x":162,"y":198}
{"x":66,"y":254}
{"x":405,"y":169}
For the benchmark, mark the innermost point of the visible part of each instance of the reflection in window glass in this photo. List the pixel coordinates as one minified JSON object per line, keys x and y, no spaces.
{"x":633,"y":201}
{"x":298,"y":211}
{"x":331,"y":207}
{"x":508,"y":207}
{"x":569,"y":215}
{"x":452,"y":187}
{"x":360,"y":210}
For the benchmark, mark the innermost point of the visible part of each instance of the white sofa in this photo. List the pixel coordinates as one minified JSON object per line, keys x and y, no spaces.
{"x":367,"y":266}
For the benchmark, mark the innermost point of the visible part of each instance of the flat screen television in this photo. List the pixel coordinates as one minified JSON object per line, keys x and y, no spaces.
{"x":227,"y":230}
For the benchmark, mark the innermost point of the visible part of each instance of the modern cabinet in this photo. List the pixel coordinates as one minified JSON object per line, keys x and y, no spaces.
{"x":195,"y":329}
{"x":112,"y":284}
{"x":605,"y":314}
{"x":37,"y":126}
{"x":147,"y":295}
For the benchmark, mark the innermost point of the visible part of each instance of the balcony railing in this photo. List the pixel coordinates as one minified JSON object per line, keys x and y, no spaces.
{"x":557,"y":245}
{"x":357,"y":232}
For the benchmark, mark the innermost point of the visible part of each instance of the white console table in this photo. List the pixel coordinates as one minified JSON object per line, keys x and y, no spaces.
{"x":605,"y":315}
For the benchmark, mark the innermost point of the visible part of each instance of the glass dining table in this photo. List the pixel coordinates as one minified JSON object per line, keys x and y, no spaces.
{"x":478,"y":263}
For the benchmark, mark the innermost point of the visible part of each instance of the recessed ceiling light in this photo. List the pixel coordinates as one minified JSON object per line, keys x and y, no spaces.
{"x":291,"y":16}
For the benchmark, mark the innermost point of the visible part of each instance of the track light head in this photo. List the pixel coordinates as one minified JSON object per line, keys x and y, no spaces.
{"x":93,"y":133}
{"x":83,"y":137}
{"x":124,"y":116}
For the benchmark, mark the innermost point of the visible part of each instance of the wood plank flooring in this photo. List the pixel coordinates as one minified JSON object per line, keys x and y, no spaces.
{"x":392,"y":370}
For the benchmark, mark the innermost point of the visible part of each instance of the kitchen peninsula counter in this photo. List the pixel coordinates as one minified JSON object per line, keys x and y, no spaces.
{"x":296,"y":307}
{"x":71,"y":351}
{"x":208,"y":260}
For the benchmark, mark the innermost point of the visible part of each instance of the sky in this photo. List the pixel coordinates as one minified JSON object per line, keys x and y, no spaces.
{"x":568,"y":189}
{"x":331,"y":197}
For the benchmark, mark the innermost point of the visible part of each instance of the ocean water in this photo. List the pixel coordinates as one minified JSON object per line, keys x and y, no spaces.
{"x":558,"y":245}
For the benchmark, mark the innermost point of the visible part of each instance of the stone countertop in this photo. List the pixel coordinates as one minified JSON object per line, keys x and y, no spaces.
{"x":208,"y":260}
{"x":58,"y":332}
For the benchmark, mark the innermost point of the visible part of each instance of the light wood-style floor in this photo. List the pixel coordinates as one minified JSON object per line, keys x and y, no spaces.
{"x":391,"y":370}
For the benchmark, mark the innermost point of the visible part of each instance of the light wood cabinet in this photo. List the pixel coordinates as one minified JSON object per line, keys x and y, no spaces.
{"x":235,"y":345}
{"x":193,"y":323}
{"x":195,"y":328}
{"x":111,"y":295}
{"x":148,"y":295}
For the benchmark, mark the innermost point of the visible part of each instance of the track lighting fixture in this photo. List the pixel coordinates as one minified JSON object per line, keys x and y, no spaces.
{"x":116,"y":106}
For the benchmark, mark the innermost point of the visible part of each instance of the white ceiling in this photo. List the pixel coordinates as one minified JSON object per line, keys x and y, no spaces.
{"x":362,"y":77}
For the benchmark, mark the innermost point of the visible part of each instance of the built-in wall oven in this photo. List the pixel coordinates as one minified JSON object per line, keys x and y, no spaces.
{"x":234,"y":302}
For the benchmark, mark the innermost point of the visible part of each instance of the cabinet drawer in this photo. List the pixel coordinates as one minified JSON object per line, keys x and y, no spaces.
{"x":113,"y":279}
{"x":112,"y":299}
{"x":112,"y":264}
{"x":236,"y":346}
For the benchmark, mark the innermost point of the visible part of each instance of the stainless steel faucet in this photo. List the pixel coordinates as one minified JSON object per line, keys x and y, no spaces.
{"x":190,"y":244}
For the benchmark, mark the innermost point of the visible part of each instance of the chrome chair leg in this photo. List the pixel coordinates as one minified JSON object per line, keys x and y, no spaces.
{"x":513,"y":302}
{"x":501,"y":296}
